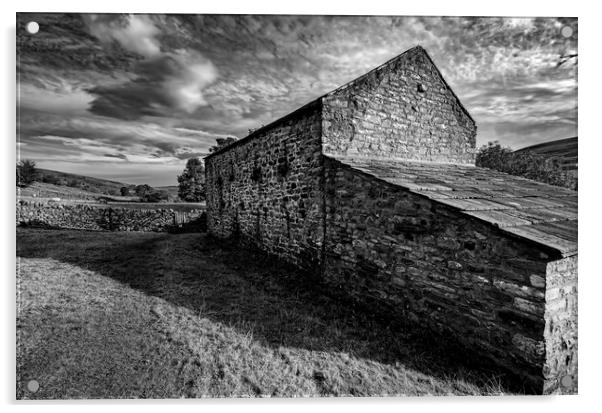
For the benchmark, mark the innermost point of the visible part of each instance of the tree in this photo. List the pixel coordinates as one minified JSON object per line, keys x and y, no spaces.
{"x":147,"y":193}
{"x":124,"y":190}
{"x":526,"y":164}
{"x":191,"y":184}
{"x":26,"y":173}
{"x":142,"y":190}
{"x":221,"y":143}
{"x":155,"y":196}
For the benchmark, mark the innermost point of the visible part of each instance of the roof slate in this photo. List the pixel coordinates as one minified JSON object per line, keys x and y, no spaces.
{"x":541,"y":213}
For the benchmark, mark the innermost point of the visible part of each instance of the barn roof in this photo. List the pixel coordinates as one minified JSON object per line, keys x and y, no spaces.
{"x":533,"y":211}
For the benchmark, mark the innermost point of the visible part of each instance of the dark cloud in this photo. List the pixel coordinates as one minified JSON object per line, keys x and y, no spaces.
{"x":143,"y":96}
{"x":118,"y":156}
{"x":64,"y":48}
{"x":164,"y":84}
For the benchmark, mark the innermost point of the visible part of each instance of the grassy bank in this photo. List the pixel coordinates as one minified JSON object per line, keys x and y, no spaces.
{"x":147,"y":315}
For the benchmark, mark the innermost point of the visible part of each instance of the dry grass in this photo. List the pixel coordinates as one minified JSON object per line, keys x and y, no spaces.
{"x":146,"y":315}
{"x":47,"y":190}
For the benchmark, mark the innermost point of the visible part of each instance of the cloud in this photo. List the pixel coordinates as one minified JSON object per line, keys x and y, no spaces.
{"x":113,"y":155}
{"x":55,"y":137}
{"x":164,"y":84}
{"x":135,"y":33}
{"x":60,"y":100}
{"x":520,"y":134}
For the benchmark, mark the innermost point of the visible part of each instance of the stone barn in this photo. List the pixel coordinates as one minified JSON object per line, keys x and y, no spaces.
{"x":372,"y":189}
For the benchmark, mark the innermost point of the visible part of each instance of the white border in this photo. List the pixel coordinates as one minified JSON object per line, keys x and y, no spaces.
{"x":590,"y":197}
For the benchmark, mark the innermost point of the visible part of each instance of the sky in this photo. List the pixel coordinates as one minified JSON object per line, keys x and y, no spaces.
{"x":131,"y":97}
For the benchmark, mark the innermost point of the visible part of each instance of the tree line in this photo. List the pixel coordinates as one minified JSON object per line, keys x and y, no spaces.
{"x":527,"y":164}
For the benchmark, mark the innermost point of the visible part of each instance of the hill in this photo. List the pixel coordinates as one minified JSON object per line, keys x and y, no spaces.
{"x":47,"y":190}
{"x":85,"y":183}
{"x":69,"y":186}
{"x":563,"y":149}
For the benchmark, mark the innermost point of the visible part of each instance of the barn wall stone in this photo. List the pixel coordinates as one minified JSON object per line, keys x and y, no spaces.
{"x":388,"y":248}
{"x":267,"y":191}
{"x":403,"y":109}
{"x":561,"y":326}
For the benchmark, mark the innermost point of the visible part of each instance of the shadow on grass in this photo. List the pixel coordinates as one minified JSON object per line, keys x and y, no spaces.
{"x":248,"y":290}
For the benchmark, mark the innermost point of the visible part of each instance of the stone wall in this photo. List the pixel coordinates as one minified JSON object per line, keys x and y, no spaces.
{"x":266,"y":190}
{"x":403,"y":109}
{"x":102,"y":217}
{"x":561,"y":325}
{"x":393,"y":250}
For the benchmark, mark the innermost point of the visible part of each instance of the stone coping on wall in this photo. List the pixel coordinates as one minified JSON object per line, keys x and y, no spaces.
{"x":520,"y":207}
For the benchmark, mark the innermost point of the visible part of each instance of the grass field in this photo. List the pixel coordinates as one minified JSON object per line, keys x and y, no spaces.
{"x":154,"y":315}
{"x":46,"y":190}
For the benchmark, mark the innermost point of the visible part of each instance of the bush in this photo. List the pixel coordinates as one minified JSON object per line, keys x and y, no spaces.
{"x":149,"y":194}
{"x":51,"y":179}
{"x":27,"y":173}
{"x":526,"y":164}
{"x":142,"y":190}
{"x":223,"y":142}
{"x":155,"y":196}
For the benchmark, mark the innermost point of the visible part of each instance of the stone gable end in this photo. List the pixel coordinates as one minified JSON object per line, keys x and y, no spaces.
{"x":403,"y":109}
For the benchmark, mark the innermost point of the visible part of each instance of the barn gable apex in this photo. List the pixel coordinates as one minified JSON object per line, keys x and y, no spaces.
{"x":413,"y":53}
{"x":403,"y":110}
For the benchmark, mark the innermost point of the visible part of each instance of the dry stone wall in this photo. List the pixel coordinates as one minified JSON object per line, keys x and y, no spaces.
{"x":391,"y":249}
{"x":102,"y":218}
{"x":403,"y":109}
{"x":267,"y":190}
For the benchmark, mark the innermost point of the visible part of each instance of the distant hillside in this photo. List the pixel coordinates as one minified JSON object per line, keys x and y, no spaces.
{"x":84,"y":183}
{"x":563,"y":149}
{"x":46,"y":190}
{"x":68,"y":186}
